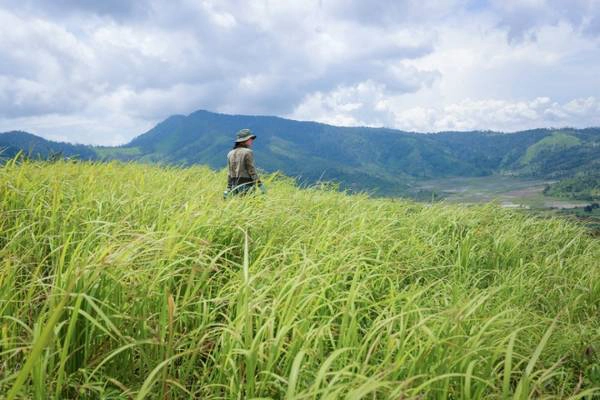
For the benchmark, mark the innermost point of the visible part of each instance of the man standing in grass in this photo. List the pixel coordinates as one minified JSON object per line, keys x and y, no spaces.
{"x":242,"y":176}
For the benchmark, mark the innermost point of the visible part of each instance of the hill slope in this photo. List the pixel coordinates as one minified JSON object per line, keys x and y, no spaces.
{"x":126,"y":280}
{"x":370,"y":158}
{"x":362,"y":158}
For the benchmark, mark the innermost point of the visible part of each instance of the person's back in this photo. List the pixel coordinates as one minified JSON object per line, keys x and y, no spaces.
{"x":241,"y":174}
{"x":240,"y":163}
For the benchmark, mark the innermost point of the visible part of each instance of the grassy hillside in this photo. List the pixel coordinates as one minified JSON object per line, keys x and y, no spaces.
{"x":553,"y":143}
{"x":564,"y":154}
{"x":133,"y":281}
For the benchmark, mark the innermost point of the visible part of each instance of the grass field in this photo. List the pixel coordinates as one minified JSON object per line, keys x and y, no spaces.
{"x":124,"y":281}
{"x":589,"y":219}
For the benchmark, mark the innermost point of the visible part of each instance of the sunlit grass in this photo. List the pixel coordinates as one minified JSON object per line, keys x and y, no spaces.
{"x":132,"y":281}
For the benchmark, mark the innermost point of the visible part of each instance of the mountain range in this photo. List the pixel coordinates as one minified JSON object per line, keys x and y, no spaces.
{"x":380,"y":160}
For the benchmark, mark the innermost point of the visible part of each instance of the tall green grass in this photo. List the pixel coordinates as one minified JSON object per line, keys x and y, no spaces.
{"x":123,"y":281}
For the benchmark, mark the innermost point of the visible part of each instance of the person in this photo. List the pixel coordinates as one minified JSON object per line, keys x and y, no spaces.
{"x":242,"y":176}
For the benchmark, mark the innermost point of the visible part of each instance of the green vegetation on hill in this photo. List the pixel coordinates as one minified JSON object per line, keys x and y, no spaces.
{"x":134,"y":281}
{"x":562,"y":156}
{"x":582,"y":187}
{"x":554,"y":143}
{"x":384,"y":161}
{"x":377,"y":160}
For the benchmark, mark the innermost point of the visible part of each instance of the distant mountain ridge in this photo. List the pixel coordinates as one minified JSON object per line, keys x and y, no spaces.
{"x":382,"y":160}
{"x":11,"y":143}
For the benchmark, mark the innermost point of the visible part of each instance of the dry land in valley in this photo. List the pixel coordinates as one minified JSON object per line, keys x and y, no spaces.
{"x":508,"y":191}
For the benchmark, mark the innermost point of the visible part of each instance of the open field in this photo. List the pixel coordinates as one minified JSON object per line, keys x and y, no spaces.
{"x":124,"y":281}
{"x":507,"y":191}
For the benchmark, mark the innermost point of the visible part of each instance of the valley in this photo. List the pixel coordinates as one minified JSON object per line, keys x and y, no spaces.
{"x":508,"y":191}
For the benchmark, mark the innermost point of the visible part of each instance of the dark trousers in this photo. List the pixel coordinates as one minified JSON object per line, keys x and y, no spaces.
{"x":240,"y":186}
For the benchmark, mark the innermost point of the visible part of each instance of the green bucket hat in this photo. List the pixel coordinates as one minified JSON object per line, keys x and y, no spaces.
{"x":244,"y":135}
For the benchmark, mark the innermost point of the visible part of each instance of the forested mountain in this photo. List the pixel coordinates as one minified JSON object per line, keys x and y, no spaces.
{"x":11,"y":143}
{"x":547,"y":153}
{"x":375,"y":159}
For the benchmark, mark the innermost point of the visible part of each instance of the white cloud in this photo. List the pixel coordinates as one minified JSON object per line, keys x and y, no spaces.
{"x":341,"y":106}
{"x":96,"y":129}
{"x":103,"y":72}
{"x":344,"y":105}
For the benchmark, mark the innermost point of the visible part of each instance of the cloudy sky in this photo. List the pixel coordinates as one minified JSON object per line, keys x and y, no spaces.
{"x":102,"y":72}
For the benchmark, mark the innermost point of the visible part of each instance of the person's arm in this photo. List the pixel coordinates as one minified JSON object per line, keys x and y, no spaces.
{"x":229,"y":174}
{"x":249,"y":164}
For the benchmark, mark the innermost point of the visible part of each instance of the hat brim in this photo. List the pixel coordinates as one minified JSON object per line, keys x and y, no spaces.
{"x":240,"y":140}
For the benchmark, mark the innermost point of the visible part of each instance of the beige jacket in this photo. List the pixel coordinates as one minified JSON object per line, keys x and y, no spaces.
{"x":240,"y":163}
